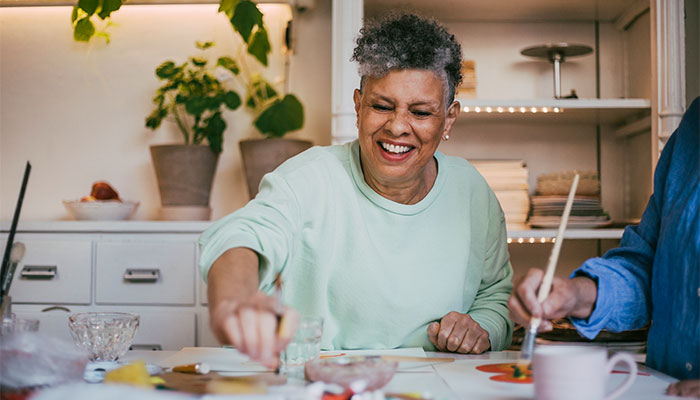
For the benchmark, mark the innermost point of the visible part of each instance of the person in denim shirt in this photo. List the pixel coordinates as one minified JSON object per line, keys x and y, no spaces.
{"x":652,"y":276}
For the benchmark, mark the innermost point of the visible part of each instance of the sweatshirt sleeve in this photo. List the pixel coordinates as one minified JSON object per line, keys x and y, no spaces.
{"x":267,"y":225}
{"x":489,"y":308}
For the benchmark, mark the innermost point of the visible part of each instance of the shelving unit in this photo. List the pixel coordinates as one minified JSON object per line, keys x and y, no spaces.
{"x":589,"y":111}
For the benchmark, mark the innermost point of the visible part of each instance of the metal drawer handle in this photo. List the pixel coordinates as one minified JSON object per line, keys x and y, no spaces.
{"x":135,"y":275}
{"x":152,"y":347}
{"x":38,"y":272}
{"x":52,"y":308}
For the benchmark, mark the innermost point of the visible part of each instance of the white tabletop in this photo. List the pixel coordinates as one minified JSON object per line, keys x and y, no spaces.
{"x":461,"y":380}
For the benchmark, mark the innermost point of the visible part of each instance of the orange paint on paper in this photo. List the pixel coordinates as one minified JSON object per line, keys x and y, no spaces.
{"x":331,"y":355}
{"x":509,"y":372}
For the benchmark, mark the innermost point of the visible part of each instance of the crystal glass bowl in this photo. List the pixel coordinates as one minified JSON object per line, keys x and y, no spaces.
{"x":105,"y":335}
{"x":369,"y":372}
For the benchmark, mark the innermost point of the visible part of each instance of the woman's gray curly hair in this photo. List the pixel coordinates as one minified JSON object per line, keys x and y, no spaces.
{"x":408,"y":41}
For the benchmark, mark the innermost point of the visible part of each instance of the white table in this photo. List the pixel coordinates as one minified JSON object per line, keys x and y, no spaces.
{"x":460,"y":379}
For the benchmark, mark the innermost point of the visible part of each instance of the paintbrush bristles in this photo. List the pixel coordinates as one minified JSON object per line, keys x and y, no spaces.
{"x":17,"y":252}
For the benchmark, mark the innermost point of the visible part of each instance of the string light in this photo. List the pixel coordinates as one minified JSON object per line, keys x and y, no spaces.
{"x":532,"y":240}
{"x":511,"y":109}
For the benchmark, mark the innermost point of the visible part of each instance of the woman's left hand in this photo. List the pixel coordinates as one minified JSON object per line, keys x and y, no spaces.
{"x":686,"y":388}
{"x":459,"y":333}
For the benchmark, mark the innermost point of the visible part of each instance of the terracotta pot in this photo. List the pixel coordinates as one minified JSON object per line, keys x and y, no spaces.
{"x":261,"y":156}
{"x":185,"y":174}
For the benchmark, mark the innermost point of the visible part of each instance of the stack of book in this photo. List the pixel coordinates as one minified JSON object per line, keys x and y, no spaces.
{"x":508,"y":180}
{"x":550,"y":199}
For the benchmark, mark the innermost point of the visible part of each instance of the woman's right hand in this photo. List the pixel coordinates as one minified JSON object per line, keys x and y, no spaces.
{"x":250,"y":325}
{"x":575,"y":297}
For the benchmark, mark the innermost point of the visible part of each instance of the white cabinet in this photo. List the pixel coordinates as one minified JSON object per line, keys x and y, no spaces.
{"x":146,"y":268}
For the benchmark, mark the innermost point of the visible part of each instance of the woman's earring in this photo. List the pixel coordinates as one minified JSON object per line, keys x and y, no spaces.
{"x":446,"y":137}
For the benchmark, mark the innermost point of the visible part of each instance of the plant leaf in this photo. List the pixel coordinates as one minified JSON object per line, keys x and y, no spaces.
{"x":228,"y":7}
{"x":229,"y":64}
{"x":245,"y":17}
{"x":196,"y":105}
{"x":198,"y":61}
{"x":74,"y":14}
{"x":281,"y":117}
{"x":259,"y":46}
{"x":232,"y":100}
{"x":166,"y":70}
{"x":214,"y":132}
{"x":203,"y":45}
{"x":84,"y":29}
{"x":108,"y":6}
{"x":89,"y":6}
{"x":153,"y":121}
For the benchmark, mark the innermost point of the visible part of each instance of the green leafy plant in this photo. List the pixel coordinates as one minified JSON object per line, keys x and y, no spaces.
{"x":275,"y":114}
{"x":195,"y":98}
{"x":87,"y":11}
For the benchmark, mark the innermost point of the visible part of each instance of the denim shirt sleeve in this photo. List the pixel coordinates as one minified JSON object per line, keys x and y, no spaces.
{"x":623,"y":279}
{"x":623,"y":274}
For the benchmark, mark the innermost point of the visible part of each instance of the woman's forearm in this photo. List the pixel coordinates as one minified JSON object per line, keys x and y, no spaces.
{"x":233,"y":276}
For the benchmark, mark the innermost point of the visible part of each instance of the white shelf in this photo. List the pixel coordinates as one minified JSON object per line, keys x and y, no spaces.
{"x":548,"y":234}
{"x":108,"y":226}
{"x":592,"y":111}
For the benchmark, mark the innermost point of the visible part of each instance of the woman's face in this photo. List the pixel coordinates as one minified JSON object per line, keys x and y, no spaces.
{"x":401,"y":118}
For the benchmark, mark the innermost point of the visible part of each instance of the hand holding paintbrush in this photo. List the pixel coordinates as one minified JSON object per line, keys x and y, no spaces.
{"x":546,"y":285}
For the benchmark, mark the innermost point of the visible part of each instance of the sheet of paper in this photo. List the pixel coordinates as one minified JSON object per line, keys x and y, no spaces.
{"x":220,"y":359}
{"x":465,"y":380}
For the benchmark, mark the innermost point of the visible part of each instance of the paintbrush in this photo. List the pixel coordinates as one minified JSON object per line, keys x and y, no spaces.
{"x":16,"y":255}
{"x":546,"y":285}
{"x":279,"y":310}
{"x":13,"y":228}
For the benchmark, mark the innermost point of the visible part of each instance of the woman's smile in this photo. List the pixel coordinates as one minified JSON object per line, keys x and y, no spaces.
{"x":401,"y":118}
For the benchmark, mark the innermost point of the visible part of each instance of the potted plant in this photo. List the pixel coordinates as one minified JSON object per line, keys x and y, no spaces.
{"x":275,"y":114}
{"x":195,"y":98}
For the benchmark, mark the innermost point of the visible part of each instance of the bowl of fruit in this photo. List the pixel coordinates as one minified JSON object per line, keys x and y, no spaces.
{"x":103,"y":204}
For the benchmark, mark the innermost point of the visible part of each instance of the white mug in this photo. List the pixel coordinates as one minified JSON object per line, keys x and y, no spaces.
{"x":577,"y":372}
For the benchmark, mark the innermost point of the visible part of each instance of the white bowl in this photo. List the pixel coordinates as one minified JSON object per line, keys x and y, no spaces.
{"x":100,"y":210}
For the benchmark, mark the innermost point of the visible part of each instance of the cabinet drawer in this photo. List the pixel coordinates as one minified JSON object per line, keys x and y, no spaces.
{"x":53,"y":272}
{"x":164,"y":330}
{"x":145,"y":272}
{"x":51,"y":323}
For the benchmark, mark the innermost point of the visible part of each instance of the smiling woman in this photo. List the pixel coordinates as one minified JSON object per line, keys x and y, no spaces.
{"x":393,"y":243}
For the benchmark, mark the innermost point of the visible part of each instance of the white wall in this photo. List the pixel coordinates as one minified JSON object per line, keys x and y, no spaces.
{"x":76,"y":111}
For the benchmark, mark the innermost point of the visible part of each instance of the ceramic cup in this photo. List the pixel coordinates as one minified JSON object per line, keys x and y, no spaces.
{"x":577,"y":372}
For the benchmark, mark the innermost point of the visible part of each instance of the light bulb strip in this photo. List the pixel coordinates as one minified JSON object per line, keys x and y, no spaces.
{"x":512,"y":110}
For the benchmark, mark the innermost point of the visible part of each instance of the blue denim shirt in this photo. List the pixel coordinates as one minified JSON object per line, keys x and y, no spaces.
{"x":653,"y":275}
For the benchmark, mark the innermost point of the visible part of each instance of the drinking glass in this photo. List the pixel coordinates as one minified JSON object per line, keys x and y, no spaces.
{"x":17,"y":324}
{"x":304,"y":347}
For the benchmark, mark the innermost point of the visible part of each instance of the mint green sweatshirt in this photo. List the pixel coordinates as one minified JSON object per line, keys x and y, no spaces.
{"x":377,"y":271}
